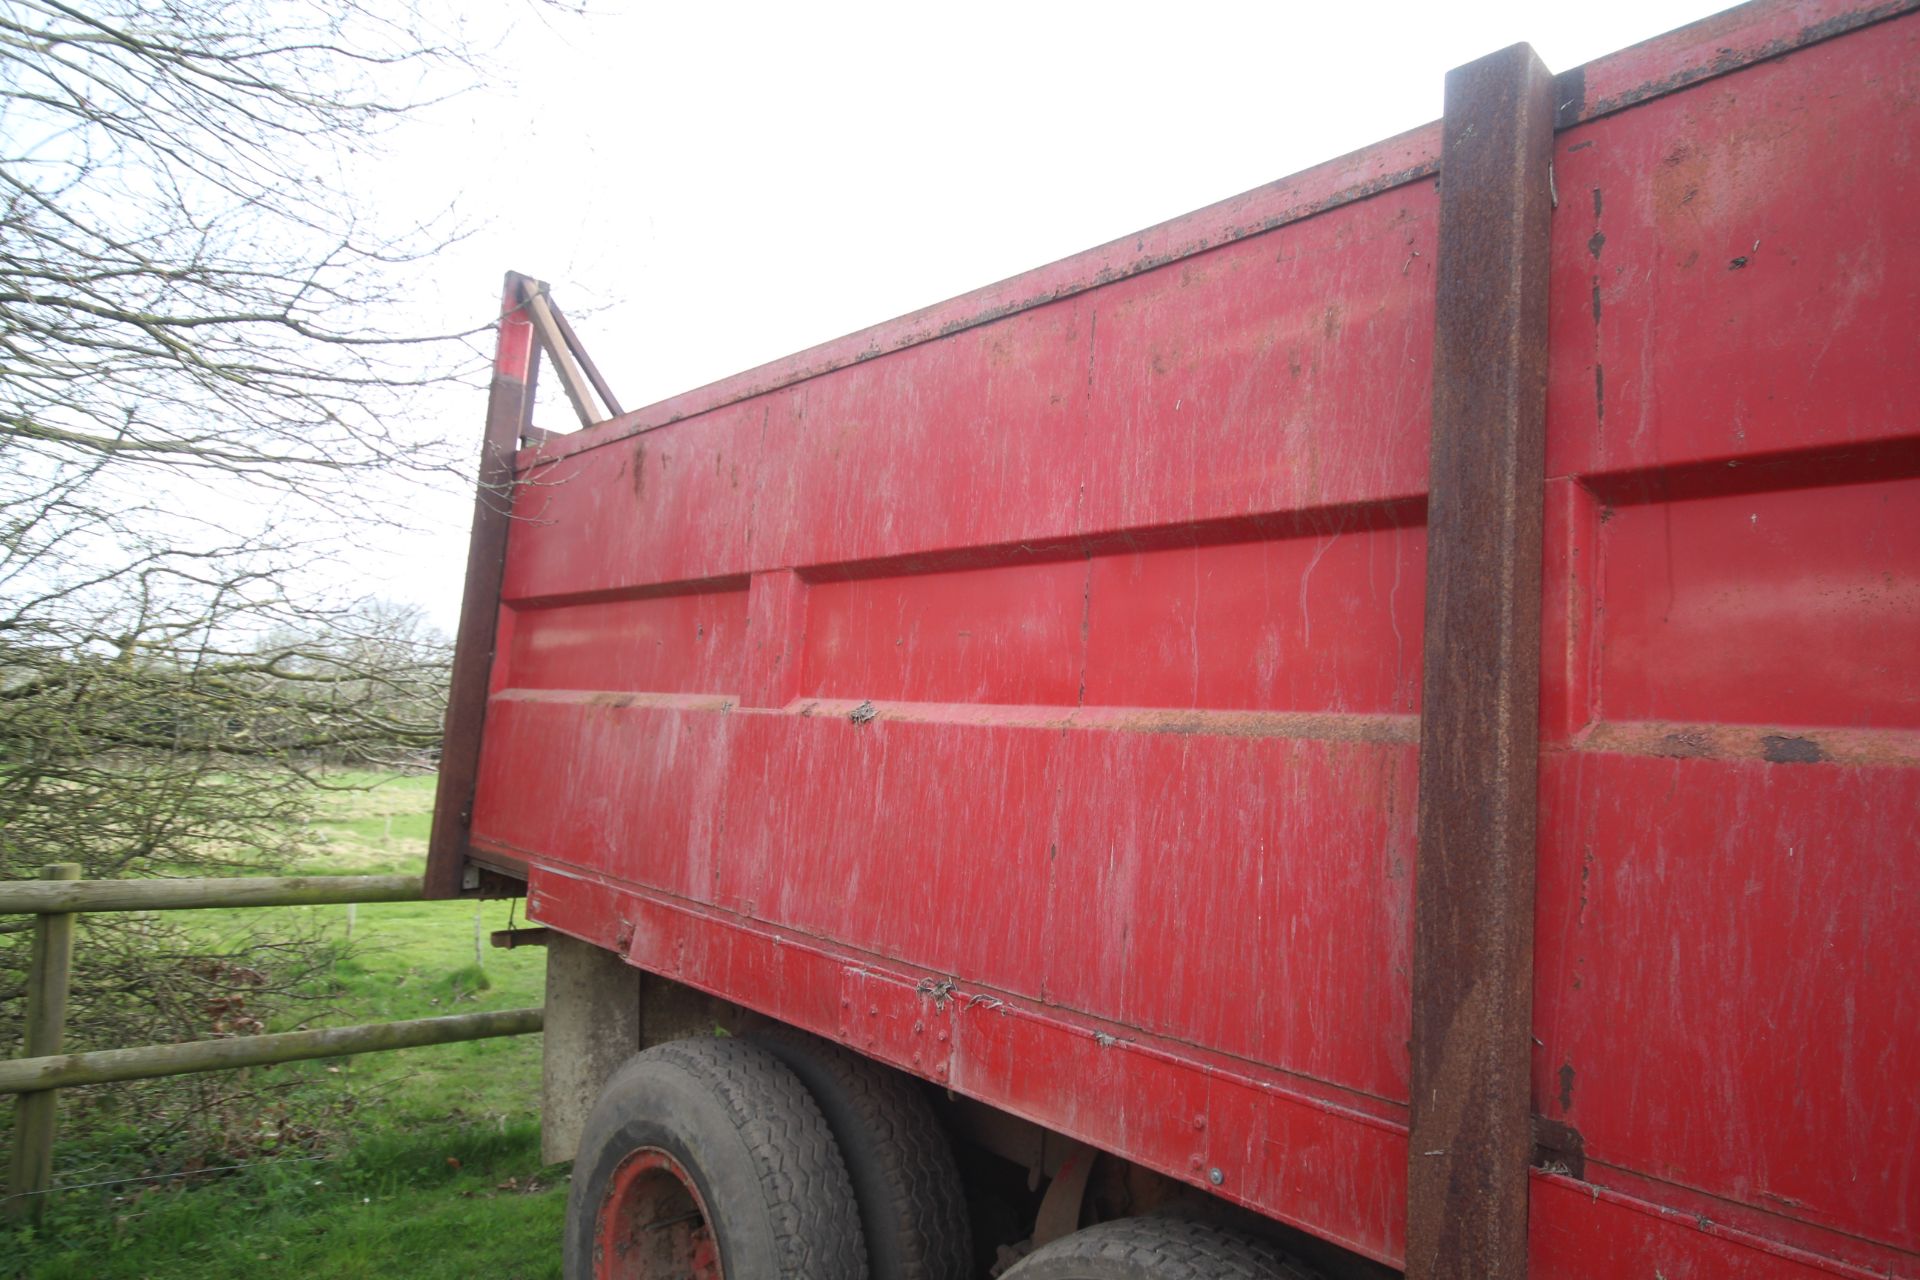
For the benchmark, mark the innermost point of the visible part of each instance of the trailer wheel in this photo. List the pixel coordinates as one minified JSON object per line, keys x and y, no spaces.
{"x":707,"y":1160}
{"x":1159,"y":1248}
{"x":913,"y":1210}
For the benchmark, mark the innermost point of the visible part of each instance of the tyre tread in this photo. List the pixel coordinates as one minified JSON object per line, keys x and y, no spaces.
{"x":803,"y":1179}
{"x":913,"y":1206}
{"x":1162,"y":1248}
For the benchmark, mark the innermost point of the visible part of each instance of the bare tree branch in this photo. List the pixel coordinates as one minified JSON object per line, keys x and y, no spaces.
{"x":205,"y":376}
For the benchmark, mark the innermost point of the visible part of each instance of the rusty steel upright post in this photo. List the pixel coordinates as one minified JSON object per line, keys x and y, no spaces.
{"x":509,"y":416}
{"x":1473,"y":910}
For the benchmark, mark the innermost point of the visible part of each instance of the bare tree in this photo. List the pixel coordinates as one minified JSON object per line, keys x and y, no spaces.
{"x":205,"y":368}
{"x":201,"y":375}
{"x":186,"y":276}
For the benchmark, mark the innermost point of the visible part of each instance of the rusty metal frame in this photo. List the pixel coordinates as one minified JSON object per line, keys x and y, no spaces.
{"x":516,"y":370}
{"x":1471,"y":1135}
{"x":579,"y":350}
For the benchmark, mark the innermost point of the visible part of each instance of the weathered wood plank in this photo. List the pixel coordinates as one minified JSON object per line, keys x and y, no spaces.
{"x":64,"y":1071}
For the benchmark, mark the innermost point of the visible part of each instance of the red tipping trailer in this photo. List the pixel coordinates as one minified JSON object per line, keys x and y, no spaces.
{"x":1391,"y":702}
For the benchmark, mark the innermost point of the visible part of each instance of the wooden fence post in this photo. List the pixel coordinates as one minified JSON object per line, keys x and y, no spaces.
{"x":35,"y":1115}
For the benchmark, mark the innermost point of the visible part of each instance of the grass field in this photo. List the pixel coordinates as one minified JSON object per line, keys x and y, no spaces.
{"x":437,"y":1171}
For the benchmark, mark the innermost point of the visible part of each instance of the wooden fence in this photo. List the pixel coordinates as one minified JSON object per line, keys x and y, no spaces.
{"x":60,"y":895}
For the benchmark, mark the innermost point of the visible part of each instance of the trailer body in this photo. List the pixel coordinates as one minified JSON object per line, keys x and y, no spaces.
{"x":1028,"y":692}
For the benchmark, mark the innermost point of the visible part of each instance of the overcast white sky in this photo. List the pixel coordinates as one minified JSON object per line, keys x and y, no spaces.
{"x":711,"y":186}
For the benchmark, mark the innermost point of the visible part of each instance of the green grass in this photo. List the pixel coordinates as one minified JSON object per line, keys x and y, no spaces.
{"x":438,"y":1171}
{"x":370,"y":823}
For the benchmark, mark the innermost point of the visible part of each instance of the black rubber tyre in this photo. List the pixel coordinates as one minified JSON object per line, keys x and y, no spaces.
{"x":1158,"y":1248}
{"x":754,"y":1145}
{"x":913,"y":1209}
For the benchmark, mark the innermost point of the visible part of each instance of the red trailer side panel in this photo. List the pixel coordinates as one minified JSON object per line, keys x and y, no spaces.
{"x":1038,"y":705}
{"x":1026,"y":692}
{"x":1728,"y":889}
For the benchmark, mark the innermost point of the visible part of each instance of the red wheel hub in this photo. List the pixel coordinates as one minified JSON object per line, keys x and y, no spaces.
{"x":653,"y":1224}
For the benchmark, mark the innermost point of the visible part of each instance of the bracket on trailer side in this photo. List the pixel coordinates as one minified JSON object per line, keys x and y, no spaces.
{"x":579,"y":377}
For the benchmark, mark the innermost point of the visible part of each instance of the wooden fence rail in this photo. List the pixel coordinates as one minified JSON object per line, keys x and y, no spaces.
{"x":106,"y":1066}
{"x":43,"y":1069}
{"x":31,"y":897}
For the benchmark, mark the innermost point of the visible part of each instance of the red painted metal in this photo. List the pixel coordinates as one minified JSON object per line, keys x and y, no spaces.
{"x":1026,"y":692}
{"x":653,"y":1224}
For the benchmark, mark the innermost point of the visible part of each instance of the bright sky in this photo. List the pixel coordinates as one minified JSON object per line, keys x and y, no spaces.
{"x":712,"y":186}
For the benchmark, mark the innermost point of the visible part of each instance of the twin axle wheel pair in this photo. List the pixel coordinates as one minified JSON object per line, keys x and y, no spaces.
{"x":779,"y":1157}
{"x":784,"y":1157}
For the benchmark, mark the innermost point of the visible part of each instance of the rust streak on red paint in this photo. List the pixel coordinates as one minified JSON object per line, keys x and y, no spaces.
{"x":1783,"y":744}
{"x":1704,"y":50}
